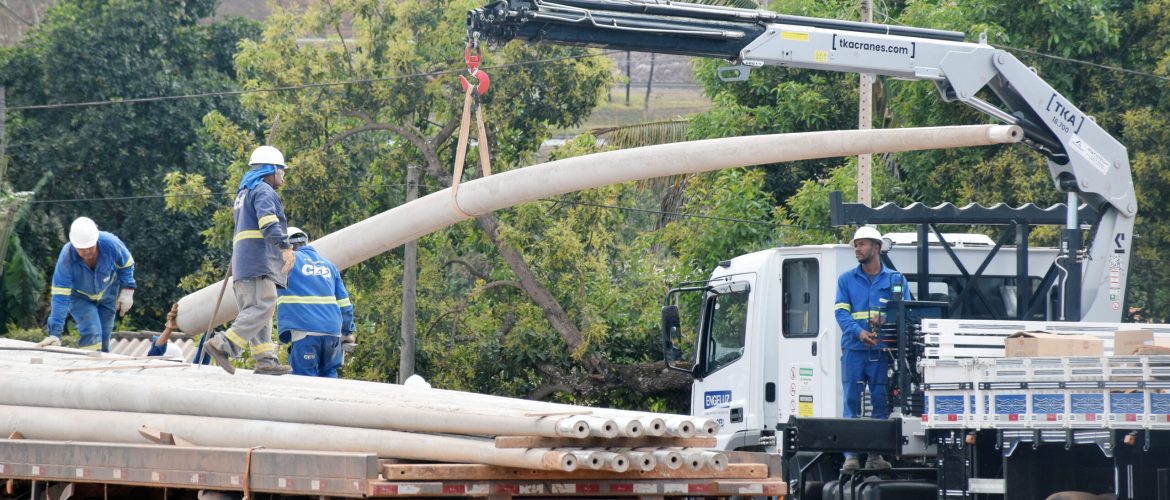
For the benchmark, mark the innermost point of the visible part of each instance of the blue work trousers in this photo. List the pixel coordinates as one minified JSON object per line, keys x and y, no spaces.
{"x":858,"y":370}
{"x":316,"y":356}
{"x":95,"y":320}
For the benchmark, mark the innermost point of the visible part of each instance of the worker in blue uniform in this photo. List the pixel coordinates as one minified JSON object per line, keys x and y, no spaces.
{"x":861,"y":307}
{"x":93,"y":280}
{"x":313,"y":311}
{"x":261,"y":258}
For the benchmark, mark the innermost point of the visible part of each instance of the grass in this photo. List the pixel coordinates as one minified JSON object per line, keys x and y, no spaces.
{"x":665,"y":103}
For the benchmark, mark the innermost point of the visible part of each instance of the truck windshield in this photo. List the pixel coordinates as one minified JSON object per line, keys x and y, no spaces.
{"x":726,"y":329}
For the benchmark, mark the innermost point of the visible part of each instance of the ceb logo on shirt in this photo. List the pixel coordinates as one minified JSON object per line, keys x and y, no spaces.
{"x":310,"y":269}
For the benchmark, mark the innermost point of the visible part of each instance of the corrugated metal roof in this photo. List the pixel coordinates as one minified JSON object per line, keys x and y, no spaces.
{"x":138,"y":343}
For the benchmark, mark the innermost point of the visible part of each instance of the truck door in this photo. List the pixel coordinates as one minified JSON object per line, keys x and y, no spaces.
{"x":723,"y":371}
{"x":801,"y":344}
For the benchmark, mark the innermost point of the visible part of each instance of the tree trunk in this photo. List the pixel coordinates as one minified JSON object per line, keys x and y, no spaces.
{"x":553,"y":311}
{"x":627,"y":78}
{"x":649,"y":83}
{"x":409,"y":287}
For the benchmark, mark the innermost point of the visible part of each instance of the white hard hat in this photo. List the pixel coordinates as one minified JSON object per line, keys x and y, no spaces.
{"x":266,"y":155}
{"x":173,"y":351}
{"x":297,"y":235}
{"x":83,"y":233}
{"x":416,"y":381}
{"x":866,"y":233}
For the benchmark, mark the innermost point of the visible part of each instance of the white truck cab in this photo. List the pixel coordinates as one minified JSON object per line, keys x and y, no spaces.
{"x":766,"y":345}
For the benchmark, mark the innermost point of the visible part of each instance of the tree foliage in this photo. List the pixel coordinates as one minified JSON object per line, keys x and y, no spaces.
{"x":108,"y":160}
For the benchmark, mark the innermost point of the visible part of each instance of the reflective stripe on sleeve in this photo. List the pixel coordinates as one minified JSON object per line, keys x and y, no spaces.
{"x":129,"y":262}
{"x":266,"y":220}
{"x":310,"y":299}
{"x":344,"y":302}
{"x":57,"y":290}
{"x":843,"y":305}
{"x":247,"y":235}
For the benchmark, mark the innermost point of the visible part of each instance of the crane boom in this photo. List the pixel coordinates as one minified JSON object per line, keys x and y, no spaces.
{"x":1082,"y":157}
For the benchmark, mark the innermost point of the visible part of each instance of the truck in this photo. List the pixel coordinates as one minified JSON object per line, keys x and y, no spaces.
{"x":762,"y":343}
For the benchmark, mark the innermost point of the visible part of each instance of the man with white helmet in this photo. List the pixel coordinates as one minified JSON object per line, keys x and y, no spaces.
{"x":862,"y":296}
{"x":93,"y":280}
{"x":313,"y":313}
{"x":261,"y":258}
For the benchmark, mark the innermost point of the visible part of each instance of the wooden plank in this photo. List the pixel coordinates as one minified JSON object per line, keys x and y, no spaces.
{"x":478,"y":472}
{"x":639,"y":442}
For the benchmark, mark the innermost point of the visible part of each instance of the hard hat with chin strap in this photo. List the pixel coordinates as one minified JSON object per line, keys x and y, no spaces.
{"x":867,"y":233}
{"x":266,"y":155}
{"x":83,"y":233}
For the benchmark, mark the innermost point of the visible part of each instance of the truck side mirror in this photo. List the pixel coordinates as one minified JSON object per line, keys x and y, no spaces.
{"x":670,"y":327}
{"x":670,"y":331}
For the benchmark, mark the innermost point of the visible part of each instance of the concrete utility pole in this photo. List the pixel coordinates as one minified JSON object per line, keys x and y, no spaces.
{"x":409,"y":288}
{"x":865,"y":121}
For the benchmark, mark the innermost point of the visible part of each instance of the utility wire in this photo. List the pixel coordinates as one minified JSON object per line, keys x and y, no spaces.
{"x":226,"y":195}
{"x":367,"y":81}
{"x":225,"y":93}
{"x":1087,"y":63}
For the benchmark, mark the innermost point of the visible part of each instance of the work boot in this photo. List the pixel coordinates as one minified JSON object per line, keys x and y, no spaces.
{"x":877,"y":462}
{"x":215,"y":348}
{"x":851,"y":465}
{"x":270,"y":366}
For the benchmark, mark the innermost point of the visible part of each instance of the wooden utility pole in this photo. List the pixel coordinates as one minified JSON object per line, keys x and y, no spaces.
{"x":865,"y":122}
{"x":409,"y":288}
{"x":3,"y":139}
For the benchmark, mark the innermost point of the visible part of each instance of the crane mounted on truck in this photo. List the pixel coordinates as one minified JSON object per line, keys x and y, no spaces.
{"x":764,"y":353}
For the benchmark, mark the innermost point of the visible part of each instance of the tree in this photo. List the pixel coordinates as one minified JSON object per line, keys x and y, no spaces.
{"x":111,"y":157}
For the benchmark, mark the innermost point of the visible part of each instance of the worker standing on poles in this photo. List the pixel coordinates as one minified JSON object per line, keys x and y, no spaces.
{"x":94,"y":279}
{"x":261,"y":258}
{"x":313,"y":313}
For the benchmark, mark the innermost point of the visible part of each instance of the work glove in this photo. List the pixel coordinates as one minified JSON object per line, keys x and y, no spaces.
{"x":348,"y":343}
{"x":288,"y":260}
{"x":171,"y":323}
{"x":125,"y":301}
{"x":49,"y":341}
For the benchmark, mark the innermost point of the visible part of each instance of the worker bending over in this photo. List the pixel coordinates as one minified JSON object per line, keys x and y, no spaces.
{"x":94,"y":279}
{"x":313,"y":312}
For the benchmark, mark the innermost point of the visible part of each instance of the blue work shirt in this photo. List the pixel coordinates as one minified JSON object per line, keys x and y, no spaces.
{"x":857,"y":294}
{"x":259,"y":234}
{"x":74,"y":280}
{"x":314,"y":299}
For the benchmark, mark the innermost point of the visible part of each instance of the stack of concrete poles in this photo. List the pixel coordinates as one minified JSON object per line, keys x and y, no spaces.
{"x":71,"y":395}
{"x":440,"y":209}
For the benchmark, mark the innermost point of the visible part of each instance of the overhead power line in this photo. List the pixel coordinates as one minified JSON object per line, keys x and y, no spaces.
{"x":368,"y":81}
{"x":228,"y":93}
{"x":227,"y":195}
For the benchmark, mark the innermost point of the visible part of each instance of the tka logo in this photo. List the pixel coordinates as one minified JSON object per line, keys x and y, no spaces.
{"x":1064,"y":115}
{"x":716,"y":399}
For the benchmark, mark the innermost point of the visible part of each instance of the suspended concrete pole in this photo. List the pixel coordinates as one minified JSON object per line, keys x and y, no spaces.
{"x":438,"y":210}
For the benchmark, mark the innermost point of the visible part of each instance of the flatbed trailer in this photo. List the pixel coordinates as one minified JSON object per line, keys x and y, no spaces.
{"x":30,"y":468}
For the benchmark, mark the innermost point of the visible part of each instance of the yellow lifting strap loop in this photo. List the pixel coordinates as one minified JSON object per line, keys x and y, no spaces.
{"x":461,"y":148}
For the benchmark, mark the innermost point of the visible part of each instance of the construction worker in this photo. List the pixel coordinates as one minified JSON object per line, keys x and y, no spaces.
{"x":313,"y":312}
{"x":261,"y":258}
{"x":862,"y":295}
{"x":93,"y":280}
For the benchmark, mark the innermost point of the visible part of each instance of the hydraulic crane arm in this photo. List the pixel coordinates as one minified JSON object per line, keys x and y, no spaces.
{"x":1082,"y":157}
